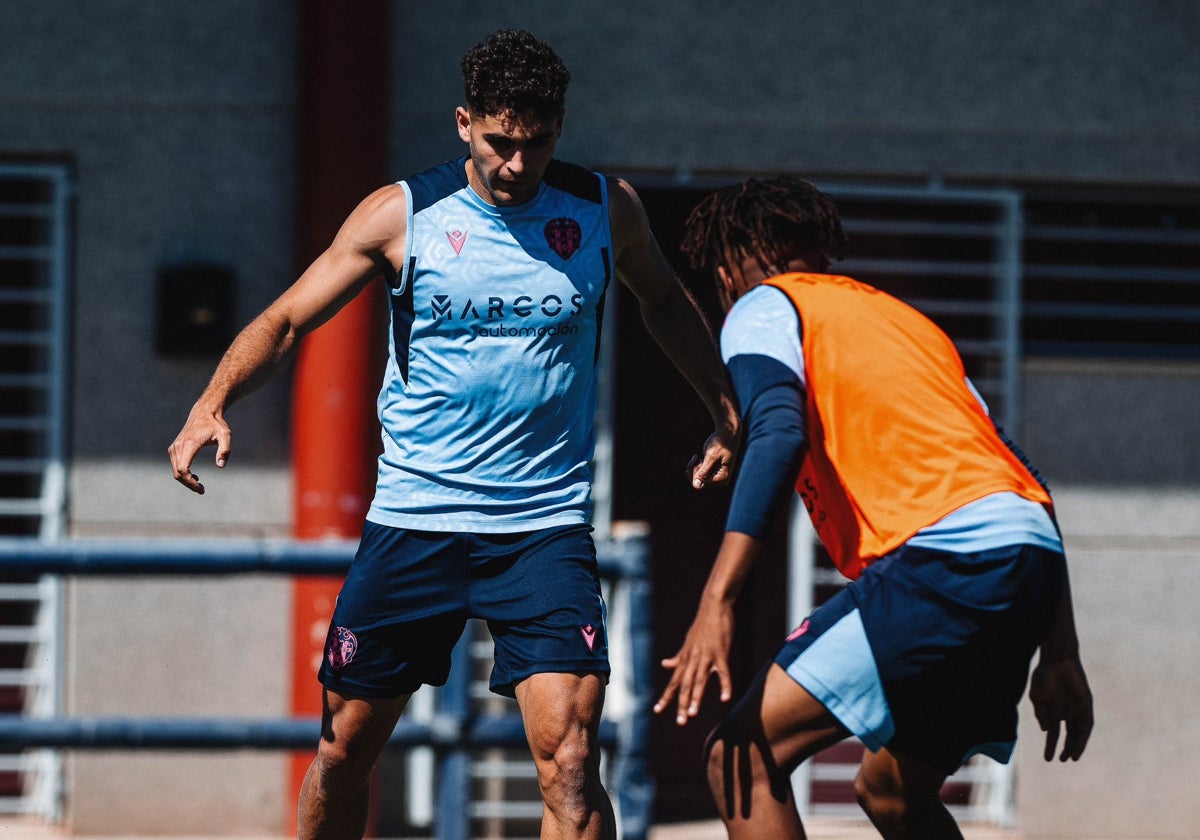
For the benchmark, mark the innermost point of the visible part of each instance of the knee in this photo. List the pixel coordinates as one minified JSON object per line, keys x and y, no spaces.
{"x":343,"y":763}
{"x":892,"y":808}
{"x":567,"y":766}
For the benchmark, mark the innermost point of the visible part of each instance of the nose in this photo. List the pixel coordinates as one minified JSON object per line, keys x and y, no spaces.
{"x":516,"y":163}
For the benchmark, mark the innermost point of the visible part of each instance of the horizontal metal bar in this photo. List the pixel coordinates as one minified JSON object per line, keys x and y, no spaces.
{"x":925,"y":268}
{"x":35,"y":295}
{"x":1111,"y":273}
{"x":620,"y":557}
{"x":1070,"y":233}
{"x":89,"y":732}
{"x":1121,"y":312}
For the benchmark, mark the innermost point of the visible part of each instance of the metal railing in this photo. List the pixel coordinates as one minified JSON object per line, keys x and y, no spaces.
{"x":452,"y":731}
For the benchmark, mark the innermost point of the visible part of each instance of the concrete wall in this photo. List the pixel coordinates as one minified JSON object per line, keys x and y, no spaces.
{"x":179,"y":119}
{"x":1117,"y":444}
{"x":179,"y":647}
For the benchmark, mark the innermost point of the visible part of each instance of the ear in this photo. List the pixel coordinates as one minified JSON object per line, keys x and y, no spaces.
{"x":463,"y":118}
{"x":725,"y":279}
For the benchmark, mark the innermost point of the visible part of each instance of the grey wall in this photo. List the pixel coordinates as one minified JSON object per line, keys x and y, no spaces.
{"x":179,"y":119}
{"x":1082,"y":89}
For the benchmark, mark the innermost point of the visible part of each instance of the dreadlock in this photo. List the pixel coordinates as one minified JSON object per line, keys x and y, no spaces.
{"x":772,"y":220}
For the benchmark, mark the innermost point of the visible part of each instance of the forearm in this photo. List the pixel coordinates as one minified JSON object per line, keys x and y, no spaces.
{"x":682,"y":332}
{"x":735,"y":559}
{"x":257,"y":352}
{"x":1062,"y":642}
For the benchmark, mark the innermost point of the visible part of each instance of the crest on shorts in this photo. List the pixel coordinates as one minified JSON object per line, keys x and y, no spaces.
{"x":564,"y":236}
{"x":340,"y":648}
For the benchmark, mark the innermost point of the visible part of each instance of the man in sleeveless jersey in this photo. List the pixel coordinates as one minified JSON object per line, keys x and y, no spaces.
{"x":945,"y":530}
{"x":496,"y":267}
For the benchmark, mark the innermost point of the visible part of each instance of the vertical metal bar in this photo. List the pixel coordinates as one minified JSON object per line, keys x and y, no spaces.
{"x":632,"y":781}
{"x":1010,"y":298}
{"x":801,"y":557}
{"x":454,"y":764}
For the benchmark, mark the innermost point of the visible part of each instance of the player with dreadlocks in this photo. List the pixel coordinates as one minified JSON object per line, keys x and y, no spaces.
{"x":945,"y":530}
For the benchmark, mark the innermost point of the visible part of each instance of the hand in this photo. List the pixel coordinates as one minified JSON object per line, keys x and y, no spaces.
{"x":705,"y":652}
{"x":715,"y":466}
{"x":1059,"y":692}
{"x":203,"y":428}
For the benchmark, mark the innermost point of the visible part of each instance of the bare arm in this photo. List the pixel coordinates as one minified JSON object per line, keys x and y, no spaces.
{"x":705,"y":649}
{"x":370,"y":242}
{"x":1059,"y":688}
{"x":677,"y":324}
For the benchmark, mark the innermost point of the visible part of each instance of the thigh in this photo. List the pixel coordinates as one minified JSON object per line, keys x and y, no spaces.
{"x":779,"y":717}
{"x":540,"y":594}
{"x":561,"y":709}
{"x":356,"y":729}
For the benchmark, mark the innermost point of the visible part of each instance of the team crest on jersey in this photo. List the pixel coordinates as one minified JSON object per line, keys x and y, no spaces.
{"x":564,"y":236}
{"x":340,"y":648}
{"x":458,"y":238}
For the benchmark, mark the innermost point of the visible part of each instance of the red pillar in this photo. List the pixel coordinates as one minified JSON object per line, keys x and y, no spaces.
{"x":344,"y":110}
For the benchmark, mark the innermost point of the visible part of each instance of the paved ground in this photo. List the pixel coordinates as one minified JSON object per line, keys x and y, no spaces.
{"x":17,"y":829}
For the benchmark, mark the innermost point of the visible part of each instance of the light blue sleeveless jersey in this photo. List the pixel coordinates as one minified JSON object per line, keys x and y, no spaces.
{"x":490,"y":391}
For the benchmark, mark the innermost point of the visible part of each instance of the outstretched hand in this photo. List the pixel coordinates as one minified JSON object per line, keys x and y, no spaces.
{"x":705,"y":652}
{"x":202,"y":429}
{"x":1060,"y":695}
{"x":715,"y":466}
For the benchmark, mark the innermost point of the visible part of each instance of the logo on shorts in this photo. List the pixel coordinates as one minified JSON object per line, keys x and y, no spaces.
{"x":589,"y":636}
{"x":799,"y":631}
{"x":340,"y":648}
{"x":564,"y":236}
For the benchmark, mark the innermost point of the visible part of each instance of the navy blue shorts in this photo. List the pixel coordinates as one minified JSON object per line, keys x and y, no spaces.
{"x":408,"y":595}
{"x":928,"y":652}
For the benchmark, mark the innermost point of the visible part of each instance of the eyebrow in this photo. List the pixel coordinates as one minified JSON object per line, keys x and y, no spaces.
{"x":493,"y":136}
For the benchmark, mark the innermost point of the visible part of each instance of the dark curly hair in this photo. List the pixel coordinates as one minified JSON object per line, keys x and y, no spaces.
{"x":512,"y":72}
{"x":772,"y":220}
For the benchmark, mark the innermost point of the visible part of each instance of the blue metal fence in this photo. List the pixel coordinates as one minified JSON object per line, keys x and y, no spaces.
{"x":453,"y":732}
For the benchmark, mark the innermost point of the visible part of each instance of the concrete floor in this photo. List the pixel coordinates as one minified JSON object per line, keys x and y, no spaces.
{"x":16,"y":828}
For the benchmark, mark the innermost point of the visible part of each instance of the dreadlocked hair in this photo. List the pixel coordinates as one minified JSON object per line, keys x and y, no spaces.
{"x":512,"y":72}
{"x":772,"y":220}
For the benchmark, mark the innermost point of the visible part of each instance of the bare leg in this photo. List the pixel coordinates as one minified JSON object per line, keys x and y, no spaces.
{"x":562,"y":719}
{"x":753,"y":752}
{"x":333,"y":798}
{"x":903,"y":798}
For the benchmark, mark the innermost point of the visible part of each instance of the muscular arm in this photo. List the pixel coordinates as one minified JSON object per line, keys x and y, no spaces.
{"x":676,"y":323}
{"x":370,"y":242}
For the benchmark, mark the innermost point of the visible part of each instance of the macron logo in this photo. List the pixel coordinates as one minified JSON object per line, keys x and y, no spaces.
{"x":458,"y":238}
{"x":589,"y":636}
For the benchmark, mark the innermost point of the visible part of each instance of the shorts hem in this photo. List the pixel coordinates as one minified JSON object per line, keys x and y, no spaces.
{"x":370,"y":691}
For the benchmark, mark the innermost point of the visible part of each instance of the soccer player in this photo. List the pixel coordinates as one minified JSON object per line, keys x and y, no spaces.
{"x":496,"y":267}
{"x":862,"y":404}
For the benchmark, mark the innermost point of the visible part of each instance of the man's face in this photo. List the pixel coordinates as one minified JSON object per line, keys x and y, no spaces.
{"x":508,"y":153}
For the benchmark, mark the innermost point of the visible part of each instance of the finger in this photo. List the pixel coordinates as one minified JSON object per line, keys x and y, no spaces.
{"x":669,"y":692}
{"x":181,"y":465}
{"x":224,"y":445}
{"x":687,"y":704}
{"x":1051,"y":741}
{"x":712,"y":468}
{"x":1075,"y":741}
{"x":726,"y":683}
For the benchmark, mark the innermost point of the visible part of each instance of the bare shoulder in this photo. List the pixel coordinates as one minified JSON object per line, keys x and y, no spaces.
{"x":626,"y":214}
{"x":379,"y":222}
